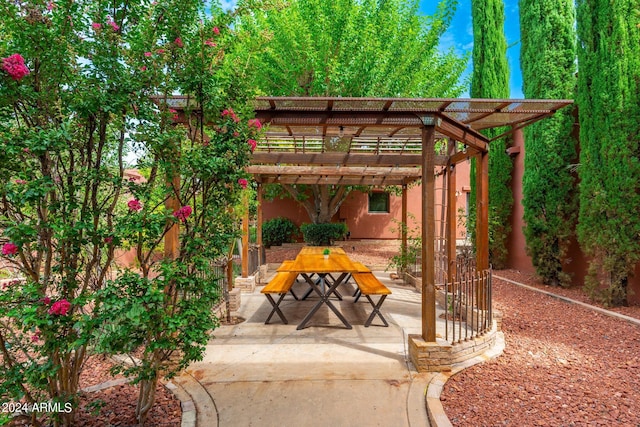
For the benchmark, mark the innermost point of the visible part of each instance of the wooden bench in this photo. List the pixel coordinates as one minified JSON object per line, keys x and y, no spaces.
{"x":369,"y":285}
{"x":281,"y":284}
{"x":361,"y":268}
{"x":285,"y":267}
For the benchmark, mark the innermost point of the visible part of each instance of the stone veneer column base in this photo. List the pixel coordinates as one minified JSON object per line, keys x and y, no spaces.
{"x":246,"y":284}
{"x":441,"y":356}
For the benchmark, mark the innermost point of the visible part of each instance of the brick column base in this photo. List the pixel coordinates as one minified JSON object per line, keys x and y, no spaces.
{"x":246,"y":284}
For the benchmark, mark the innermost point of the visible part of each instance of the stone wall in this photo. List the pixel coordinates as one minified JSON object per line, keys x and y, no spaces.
{"x":441,"y":356}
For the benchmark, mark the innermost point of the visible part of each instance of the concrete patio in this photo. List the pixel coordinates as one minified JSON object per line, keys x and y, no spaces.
{"x":274,"y":375}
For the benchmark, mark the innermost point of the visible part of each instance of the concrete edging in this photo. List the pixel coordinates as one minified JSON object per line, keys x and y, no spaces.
{"x":435,"y":410}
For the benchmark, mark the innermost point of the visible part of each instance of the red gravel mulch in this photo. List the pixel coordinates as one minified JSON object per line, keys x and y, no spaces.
{"x":115,"y":406}
{"x":563,"y":365}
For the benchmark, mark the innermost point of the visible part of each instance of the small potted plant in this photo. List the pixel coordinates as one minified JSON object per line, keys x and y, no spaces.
{"x":326,"y":253}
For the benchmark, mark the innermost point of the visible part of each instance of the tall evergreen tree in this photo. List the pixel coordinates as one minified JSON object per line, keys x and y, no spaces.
{"x":490,"y":79}
{"x":608,"y":101}
{"x":547,"y":58}
{"x":350,"y":48}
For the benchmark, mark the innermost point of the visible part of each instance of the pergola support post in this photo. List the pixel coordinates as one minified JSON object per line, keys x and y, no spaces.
{"x":259,"y":226}
{"x":428,"y":235}
{"x":451,"y":224}
{"x":404,"y":228}
{"x":245,"y":236}
{"x":482,"y":221}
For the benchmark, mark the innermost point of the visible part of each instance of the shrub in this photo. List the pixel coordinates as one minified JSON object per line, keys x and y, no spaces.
{"x":277,"y":231}
{"x":323,"y":234}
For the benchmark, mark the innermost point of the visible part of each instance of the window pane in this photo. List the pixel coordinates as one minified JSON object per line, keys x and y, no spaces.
{"x":379,"y":202}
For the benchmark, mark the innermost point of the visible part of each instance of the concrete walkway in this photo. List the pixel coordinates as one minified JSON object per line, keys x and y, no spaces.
{"x":325,"y":375}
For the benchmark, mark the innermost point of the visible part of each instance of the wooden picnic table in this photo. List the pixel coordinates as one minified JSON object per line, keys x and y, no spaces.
{"x":311,"y":261}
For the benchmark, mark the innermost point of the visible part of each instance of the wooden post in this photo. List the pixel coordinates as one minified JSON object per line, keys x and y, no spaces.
{"x":482,"y":211}
{"x":172,"y":237}
{"x":482,"y":221}
{"x":245,"y":236}
{"x":452,"y":223}
{"x":428,"y":235}
{"x":259,"y":226}
{"x":405,"y":225}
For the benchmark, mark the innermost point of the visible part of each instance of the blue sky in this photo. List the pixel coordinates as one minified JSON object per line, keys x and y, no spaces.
{"x":460,"y":37}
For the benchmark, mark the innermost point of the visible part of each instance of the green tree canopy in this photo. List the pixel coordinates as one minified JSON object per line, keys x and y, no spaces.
{"x":353,"y":48}
{"x":548,"y":59}
{"x":490,"y":79}
{"x":608,"y":94}
{"x":350,"y":48}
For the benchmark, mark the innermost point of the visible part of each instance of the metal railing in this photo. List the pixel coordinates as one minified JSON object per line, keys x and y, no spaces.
{"x":467,"y":305}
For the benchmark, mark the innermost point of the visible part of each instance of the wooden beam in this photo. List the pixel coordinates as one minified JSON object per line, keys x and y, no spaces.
{"x":333,"y":170}
{"x":462,"y":133}
{"x":304,"y":118}
{"x":428,"y":236}
{"x":461,"y":156}
{"x":334,"y":180}
{"x":345,"y":159}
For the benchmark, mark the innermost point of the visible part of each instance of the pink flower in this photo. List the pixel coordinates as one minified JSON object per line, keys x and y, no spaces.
{"x":143,"y":68}
{"x":96,"y":26}
{"x":9,"y":249}
{"x":160,"y":51}
{"x":46,"y":300}
{"x":21,"y":181}
{"x":229,"y":112}
{"x":36,"y":336}
{"x":255,"y":123}
{"x":216,"y":31}
{"x":183,"y":213}
{"x":108,"y":240}
{"x":178,"y":42}
{"x":236,"y":134}
{"x":175,"y":114}
{"x":60,"y":308}
{"x":148,"y":54}
{"x":243,"y":183}
{"x":14,"y":66}
{"x":50,"y":6}
{"x":252,"y":143}
{"x":26,"y":150}
{"x":113,"y":24}
{"x":211,"y":43}
{"x":134,"y":205}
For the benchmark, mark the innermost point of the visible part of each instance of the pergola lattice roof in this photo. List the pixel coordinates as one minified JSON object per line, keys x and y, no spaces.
{"x":375,"y":141}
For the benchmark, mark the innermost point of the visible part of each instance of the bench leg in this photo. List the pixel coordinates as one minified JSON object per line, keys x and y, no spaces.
{"x":376,"y":310}
{"x":276,"y":309}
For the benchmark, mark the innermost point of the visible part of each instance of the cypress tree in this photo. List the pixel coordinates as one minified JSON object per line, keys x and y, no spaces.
{"x":608,"y":101}
{"x":547,"y":59}
{"x":490,"y":79}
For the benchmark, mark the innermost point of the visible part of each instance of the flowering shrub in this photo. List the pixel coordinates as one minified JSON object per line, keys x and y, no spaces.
{"x":84,"y":96}
{"x":15,"y":67}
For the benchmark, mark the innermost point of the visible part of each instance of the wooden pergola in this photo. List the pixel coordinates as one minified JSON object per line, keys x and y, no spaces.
{"x":390,"y":141}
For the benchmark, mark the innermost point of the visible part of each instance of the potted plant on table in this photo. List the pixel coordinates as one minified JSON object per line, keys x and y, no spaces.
{"x":326,"y":253}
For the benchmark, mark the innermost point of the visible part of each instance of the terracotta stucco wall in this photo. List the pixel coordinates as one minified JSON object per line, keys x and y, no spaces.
{"x":374,"y":225}
{"x":517,"y":257}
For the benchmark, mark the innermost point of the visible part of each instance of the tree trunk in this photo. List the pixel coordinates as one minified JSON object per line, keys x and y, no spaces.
{"x":146,"y":399}
{"x":324,"y":203}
